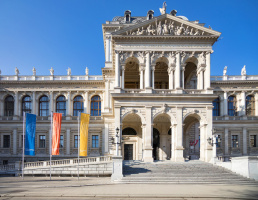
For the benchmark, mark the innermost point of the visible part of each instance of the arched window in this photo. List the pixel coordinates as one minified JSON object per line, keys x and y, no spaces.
{"x":77,"y":105}
{"x":61,"y":105}
{"x":9,"y":106}
{"x":129,"y":131}
{"x":43,"y":106}
{"x":232,"y":109}
{"x":26,"y":104}
{"x":216,"y":105}
{"x":250,"y":105}
{"x":95,"y":106}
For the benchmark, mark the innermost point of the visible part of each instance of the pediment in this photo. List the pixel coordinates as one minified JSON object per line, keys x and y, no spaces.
{"x":166,"y":25}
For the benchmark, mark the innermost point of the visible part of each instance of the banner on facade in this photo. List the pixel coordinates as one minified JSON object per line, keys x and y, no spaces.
{"x":57,"y":119}
{"x":84,"y":126}
{"x":30,"y":132}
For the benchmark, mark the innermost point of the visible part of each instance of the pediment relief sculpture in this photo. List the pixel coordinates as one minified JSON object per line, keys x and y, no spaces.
{"x":167,"y":27}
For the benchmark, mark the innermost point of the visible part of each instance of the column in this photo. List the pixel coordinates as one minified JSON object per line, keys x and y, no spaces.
{"x":2,"y":107}
{"x":179,"y":157}
{"x":171,"y":78}
{"x":123,"y":77}
{"x":106,"y":136}
{"x":141,"y":77}
{"x":208,"y":71}
{"x":244,"y":142}
{"x":51,"y":104}
{"x":208,"y":134}
{"x":86,"y":102}
{"x":108,"y":48}
{"x":201,"y":79}
{"x":107,"y":94}
{"x":226,"y":141}
{"x":256,"y":104}
{"x":183,"y":73}
{"x":242,"y":107}
{"x":16,"y":105}
{"x":202,"y":143}
{"x":147,"y":70}
{"x":68,"y":106}
{"x":33,"y":102}
{"x":225,"y":104}
{"x":198,"y":79}
{"x":117,"y":70}
{"x":177,"y":71}
{"x":147,"y":157}
{"x":68,"y":141}
{"x":173,"y":139}
{"x":153,"y":77}
{"x":14,"y":141}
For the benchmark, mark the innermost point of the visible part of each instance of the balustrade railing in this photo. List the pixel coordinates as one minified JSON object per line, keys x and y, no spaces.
{"x":8,"y":167}
{"x":235,"y":118}
{"x":67,"y":161}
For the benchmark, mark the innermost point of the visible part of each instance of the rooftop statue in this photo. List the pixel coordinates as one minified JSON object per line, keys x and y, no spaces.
{"x":69,"y":71}
{"x":225,"y":71}
{"x":34,"y":71}
{"x":86,"y":71}
{"x":51,"y":71}
{"x":16,"y":71}
{"x":243,"y":71}
{"x":163,"y":9}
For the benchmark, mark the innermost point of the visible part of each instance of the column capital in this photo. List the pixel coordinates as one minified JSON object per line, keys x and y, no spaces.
{"x":178,"y":52}
{"x":117,"y":52}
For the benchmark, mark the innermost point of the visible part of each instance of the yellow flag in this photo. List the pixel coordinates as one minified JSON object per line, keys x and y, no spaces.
{"x":84,"y":127}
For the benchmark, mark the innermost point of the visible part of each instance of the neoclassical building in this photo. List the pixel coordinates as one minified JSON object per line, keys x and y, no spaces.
{"x":156,"y":88}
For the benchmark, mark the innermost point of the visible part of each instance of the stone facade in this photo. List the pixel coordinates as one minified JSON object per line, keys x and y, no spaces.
{"x":155,"y":88}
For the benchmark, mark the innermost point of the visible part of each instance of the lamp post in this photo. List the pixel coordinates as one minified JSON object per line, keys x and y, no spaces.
{"x":214,"y":141}
{"x":117,"y":141}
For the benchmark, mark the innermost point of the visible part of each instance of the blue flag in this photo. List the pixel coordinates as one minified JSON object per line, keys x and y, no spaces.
{"x":30,"y":134}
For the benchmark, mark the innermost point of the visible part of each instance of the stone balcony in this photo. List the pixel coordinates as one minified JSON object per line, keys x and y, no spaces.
{"x":233,"y":118}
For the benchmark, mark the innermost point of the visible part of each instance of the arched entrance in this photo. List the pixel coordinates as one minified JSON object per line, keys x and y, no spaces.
{"x":161,"y":137}
{"x":191,"y":138}
{"x":190,"y":73}
{"x":132,"y":76}
{"x":132,"y":137}
{"x":161,"y":74}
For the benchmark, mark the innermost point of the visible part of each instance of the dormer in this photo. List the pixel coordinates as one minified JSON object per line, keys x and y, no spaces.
{"x":127,"y":16}
{"x":150,"y":14}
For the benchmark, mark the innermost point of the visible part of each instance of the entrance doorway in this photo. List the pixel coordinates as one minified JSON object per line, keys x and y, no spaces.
{"x":156,"y":141}
{"x":128,"y":151}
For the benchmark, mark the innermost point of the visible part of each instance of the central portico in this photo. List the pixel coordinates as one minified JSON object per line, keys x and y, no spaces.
{"x":162,"y":95}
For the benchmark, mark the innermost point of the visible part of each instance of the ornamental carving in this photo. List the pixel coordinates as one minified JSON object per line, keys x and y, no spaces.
{"x":166,"y":27}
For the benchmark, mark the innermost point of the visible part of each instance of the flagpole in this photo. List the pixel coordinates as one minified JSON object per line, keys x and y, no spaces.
{"x":23,"y":144}
{"x":50,"y":141}
{"x":78,"y":143}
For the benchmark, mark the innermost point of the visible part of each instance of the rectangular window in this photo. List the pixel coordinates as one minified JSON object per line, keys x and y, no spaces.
{"x":235,"y":141}
{"x":42,"y":141}
{"x":7,"y":141}
{"x":76,"y":141}
{"x":95,"y":141}
{"x":253,"y":140}
{"x":61,"y":141}
{"x":5,"y":162}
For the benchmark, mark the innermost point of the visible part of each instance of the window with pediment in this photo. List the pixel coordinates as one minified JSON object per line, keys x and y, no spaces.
{"x":43,"y":106}
{"x":216,"y":107}
{"x":232,"y":108}
{"x":77,"y":105}
{"x":95,"y":106}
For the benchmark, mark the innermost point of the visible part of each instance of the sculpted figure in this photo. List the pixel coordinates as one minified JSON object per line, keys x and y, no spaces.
{"x":171,"y":28}
{"x":86,"y":71}
{"x":187,"y":32}
{"x":159,"y":29}
{"x":69,"y":71}
{"x":243,"y":71}
{"x":34,"y":71}
{"x":150,"y":30}
{"x":225,"y":71}
{"x":165,"y":28}
{"x":197,"y":32}
{"x":191,"y":33}
{"x":163,"y":9}
{"x":202,"y":58}
{"x":180,"y":30}
{"x":16,"y":71}
{"x":51,"y":71}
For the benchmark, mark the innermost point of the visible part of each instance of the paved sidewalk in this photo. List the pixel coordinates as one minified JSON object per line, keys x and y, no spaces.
{"x":98,"y":188}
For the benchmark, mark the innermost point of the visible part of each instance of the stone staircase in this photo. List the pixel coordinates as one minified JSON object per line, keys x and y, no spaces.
{"x":190,"y":172}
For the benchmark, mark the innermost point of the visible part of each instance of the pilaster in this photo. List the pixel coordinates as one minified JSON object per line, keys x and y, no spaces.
{"x":177,"y":71}
{"x":14,"y":141}
{"x":147,"y":157}
{"x":226,"y":141}
{"x":244,"y":141}
{"x":117,"y":70}
{"x":225,"y":104}
{"x":179,"y":157}
{"x":208,"y":71}
{"x":148,"y":71}
{"x":16,"y":105}
{"x":68,"y":141}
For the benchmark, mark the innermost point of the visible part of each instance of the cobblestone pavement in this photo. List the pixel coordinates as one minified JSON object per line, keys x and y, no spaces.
{"x":99,"y":188}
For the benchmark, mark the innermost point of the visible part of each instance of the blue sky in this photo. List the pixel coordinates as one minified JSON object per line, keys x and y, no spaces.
{"x":68,"y":33}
